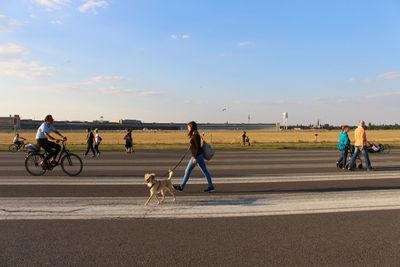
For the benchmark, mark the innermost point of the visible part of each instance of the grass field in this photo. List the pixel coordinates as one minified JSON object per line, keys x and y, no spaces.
{"x":161,"y":140}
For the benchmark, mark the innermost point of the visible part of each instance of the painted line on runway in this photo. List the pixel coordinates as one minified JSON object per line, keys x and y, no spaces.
{"x":65,"y":180}
{"x":207,"y":206}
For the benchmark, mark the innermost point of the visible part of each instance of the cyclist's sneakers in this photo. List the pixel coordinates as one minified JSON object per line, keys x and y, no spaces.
{"x":44,"y":165}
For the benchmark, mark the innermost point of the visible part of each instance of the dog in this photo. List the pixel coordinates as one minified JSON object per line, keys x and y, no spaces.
{"x":159,"y":186}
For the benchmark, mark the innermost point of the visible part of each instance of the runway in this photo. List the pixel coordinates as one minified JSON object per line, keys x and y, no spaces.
{"x":277,"y":207}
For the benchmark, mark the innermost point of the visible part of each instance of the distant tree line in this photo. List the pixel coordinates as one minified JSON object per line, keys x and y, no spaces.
{"x":327,"y":126}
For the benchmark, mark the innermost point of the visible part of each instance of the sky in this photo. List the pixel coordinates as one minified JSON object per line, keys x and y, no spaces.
{"x":208,"y":61}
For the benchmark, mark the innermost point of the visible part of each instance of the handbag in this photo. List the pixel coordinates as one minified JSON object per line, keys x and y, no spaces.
{"x":208,"y":150}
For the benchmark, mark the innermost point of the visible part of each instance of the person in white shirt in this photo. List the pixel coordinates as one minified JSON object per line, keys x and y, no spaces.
{"x":97,"y":141}
{"x":44,"y":134}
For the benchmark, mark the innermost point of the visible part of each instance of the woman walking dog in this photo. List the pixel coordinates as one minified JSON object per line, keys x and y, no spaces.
{"x":196,"y":159}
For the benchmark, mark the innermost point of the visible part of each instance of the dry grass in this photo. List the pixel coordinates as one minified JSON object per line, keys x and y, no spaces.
{"x":216,"y":137}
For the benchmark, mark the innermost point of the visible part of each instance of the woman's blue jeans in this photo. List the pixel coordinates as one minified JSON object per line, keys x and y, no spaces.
{"x":357,"y":151}
{"x":343,"y":158}
{"x":202,"y":165}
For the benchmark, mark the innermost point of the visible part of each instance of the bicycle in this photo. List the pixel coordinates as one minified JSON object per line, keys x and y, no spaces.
{"x":71,"y":164}
{"x":17,"y":147}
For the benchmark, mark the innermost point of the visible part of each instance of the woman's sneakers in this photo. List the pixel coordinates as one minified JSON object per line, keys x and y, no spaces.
{"x":210,"y":190}
{"x":178,"y":188}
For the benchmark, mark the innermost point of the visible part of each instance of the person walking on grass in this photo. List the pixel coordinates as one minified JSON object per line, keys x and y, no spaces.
{"x":360,"y":144}
{"x":97,"y":141}
{"x":244,"y":136}
{"x":196,"y":159}
{"x":128,"y":141}
{"x":89,"y":142}
{"x":343,"y":146}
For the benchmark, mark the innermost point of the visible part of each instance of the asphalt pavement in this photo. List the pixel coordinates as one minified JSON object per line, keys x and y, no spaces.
{"x":271,"y":208}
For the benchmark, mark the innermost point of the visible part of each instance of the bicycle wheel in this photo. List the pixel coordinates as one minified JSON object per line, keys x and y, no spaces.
{"x":386,"y":149}
{"x":32,"y":164}
{"x":71,"y":164}
{"x":13,"y":148}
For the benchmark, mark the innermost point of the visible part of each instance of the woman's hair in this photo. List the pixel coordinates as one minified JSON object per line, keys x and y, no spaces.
{"x":96,"y":130}
{"x":344,"y":127}
{"x":88,"y":129}
{"x":193,"y":128}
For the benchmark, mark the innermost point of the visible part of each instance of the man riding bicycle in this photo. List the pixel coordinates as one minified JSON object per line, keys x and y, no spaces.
{"x":43,"y":136}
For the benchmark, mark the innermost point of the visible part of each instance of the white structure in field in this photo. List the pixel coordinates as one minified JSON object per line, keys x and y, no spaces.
{"x":285,"y":117}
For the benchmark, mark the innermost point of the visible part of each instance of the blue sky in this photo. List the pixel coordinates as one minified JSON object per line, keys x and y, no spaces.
{"x":176,"y":61}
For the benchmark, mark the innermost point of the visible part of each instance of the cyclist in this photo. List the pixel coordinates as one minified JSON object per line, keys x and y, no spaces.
{"x":18,"y":140}
{"x":43,"y":136}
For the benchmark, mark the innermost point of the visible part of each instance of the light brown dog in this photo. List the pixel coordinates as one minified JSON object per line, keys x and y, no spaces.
{"x":159,"y":186}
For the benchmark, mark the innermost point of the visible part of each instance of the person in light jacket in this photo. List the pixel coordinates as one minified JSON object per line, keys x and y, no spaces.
{"x":360,"y":143}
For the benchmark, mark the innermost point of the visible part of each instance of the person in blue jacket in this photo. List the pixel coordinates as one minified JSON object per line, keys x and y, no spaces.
{"x":343,"y":146}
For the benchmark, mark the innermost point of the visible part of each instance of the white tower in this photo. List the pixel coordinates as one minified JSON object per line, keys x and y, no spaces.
{"x":285,"y":116}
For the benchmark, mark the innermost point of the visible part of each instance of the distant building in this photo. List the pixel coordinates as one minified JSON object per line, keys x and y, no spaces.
{"x":10,"y":123}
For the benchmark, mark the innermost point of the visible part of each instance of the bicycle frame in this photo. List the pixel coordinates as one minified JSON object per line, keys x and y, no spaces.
{"x":61,"y":154}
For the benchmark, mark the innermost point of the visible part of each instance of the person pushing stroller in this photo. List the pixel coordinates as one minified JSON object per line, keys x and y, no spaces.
{"x":360,"y":146}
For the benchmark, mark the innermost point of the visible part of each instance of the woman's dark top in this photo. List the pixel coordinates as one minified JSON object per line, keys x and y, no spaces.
{"x":90,"y":138}
{"x":195,"y":145}
{"x":128,"y":138}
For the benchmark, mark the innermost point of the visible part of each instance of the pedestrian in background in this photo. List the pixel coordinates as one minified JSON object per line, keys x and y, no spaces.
{"x":244,"y":136}
{"x":128,"y":141}
{"x":196,"y":159}
{"x":89,"y":142}
{"x":360,"y":144}
{"x":97,"y":141}
{"x":343,"y":146}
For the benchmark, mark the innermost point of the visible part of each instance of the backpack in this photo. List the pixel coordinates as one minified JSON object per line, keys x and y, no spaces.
{"x":208,"y":150}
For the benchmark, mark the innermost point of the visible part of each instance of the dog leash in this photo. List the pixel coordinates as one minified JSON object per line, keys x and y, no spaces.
{"x":180,"y":161}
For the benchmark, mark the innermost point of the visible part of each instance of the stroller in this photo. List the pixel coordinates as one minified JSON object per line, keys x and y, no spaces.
{"x":358,"y":161}
{"x":378,"y":148}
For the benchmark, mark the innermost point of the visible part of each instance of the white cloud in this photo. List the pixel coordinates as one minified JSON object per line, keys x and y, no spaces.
{"x":52,"y":4}
{"x":383,"y":94}
{"x":130,"y":92}
{"x":12,"y":49}
{"x":176,"y":36}
{"x":14,"y":62}
{"x":7,"y":24}
{"x":98,"y":79}
{"x":392,"y":75}
{"x":19,"y":68}
{"x":245,"y":43}
{"x":92,"y":5}
{"x":56,"y":22}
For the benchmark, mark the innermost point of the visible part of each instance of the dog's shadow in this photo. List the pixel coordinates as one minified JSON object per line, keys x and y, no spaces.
{"x":241,"y":201}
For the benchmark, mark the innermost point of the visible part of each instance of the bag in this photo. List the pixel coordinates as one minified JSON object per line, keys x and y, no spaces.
{"x":208,"y":150}
{"x":100,"y":139}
